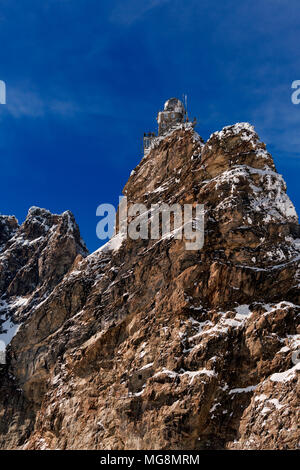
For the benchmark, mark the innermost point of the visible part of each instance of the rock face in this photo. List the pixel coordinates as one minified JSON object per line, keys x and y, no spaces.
{"x":34,"y":257}
{"x":144,"y":344}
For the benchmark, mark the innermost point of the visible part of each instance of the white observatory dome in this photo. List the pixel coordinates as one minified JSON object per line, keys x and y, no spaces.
{"x":174,"y":104}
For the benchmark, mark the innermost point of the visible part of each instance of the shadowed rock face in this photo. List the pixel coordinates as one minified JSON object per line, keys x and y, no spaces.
{"x":145,"y":345}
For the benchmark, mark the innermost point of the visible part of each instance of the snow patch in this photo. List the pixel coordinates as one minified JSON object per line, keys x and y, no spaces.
{"x":248,"y":389}
{"x":147,"y":366}
{"x":285,"y":376}
{"x":114,"y":244}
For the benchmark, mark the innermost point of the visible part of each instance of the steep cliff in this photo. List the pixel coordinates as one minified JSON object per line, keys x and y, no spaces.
{"x":144,"y":344}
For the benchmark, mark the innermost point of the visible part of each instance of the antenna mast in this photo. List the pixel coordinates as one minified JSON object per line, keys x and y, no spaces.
{"x":185,"y":104}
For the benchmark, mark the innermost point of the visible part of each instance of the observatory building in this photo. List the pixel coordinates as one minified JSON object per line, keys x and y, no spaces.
{"x":174,"y":113}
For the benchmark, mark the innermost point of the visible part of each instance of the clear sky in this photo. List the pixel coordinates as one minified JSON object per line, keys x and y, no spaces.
{"x":85,"y":79}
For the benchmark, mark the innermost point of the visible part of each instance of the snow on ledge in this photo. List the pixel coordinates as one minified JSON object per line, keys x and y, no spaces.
{"x":114,"y":244}
{"x":285,"y":376}
{"x":248,"y":132}
{"x":250,"y":388}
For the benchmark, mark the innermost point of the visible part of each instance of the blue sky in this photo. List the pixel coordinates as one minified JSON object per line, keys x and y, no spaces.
{"x":85,"y":79}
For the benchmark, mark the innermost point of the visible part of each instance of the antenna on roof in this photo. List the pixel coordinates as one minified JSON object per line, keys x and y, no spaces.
{"x":185,"y":103}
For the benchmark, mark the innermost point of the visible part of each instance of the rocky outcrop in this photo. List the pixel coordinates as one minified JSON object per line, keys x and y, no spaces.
{"x":8,"y":227}
{"x":146,"y":345}
{"x":34,"y":257}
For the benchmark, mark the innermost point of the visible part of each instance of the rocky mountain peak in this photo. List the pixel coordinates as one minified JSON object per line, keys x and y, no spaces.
{"x":147,"y":344}
{"x":8,"y":227}
{"x":35,"y":257}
